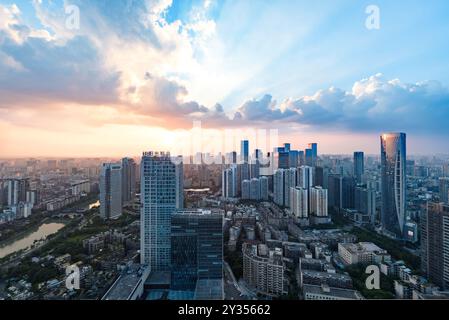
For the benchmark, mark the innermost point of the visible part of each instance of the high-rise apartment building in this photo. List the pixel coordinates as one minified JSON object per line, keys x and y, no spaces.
{"x":299,"y":202}
{"x":393,"y":182}
{"x":254,"y":189}
{"x":305,"y":177}
{"x":229,"y":182}
{"x":290,"y":179}
{"x":435,"y":244}
{"x":246,"y":189}
{"x":318,"y":202}
{"x":128,"y":180}
{"x":278,"y":187}
{"x":15,"y":191}
{"x":263,"y":269}
{"x":444,"y":189}
{"x":111,"y":190}
{"x":160,"y":193}
{"x":263,"y":188}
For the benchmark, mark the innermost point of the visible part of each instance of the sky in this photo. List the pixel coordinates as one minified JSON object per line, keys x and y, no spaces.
{"x":126,"y":76}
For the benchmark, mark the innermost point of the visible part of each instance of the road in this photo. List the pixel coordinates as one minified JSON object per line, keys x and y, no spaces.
{"x":231,"y":287}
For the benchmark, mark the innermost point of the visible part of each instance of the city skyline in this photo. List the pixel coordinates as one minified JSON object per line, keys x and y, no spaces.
{"x":163,"y":64}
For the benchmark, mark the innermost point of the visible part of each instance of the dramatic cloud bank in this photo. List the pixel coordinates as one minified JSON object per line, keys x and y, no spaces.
{"x":128,"y":64}
{"x":373,"y":104}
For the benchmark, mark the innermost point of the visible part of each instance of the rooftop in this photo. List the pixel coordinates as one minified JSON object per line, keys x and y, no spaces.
{"x":332,"y":292}
{"x":125,"y":285}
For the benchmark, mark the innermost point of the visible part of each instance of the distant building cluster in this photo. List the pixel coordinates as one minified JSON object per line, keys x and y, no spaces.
{"x":16,"y":199}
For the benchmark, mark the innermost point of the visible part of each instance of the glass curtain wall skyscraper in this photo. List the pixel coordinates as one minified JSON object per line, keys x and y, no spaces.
{"x":161,"y":188}
{"x":393,"y":176}
{"x":359,"y":166}
{"x":244,"y":151}
{"x":197,"y":247}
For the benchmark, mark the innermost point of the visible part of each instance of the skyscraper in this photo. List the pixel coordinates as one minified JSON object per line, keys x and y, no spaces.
{"x":435,"y":244}
{"x":229,"y":182}
{"x":16,"y":190}
{"x":444,"y":189}
{"x":290,"y":178}
{"x":318,"y":202}
{"x":254,"y":190}
{"x":308,"y":154}
{"x":246,"y":189}
{"x":314,"y":147}
{"x":293,"y":159}
{"x":393,"y":175}
{"x":160,"y":194}
{"x":283,"y":158}
{"x":365,"y":201}
{"x":128,"y":180}
{"x":335,"y":186}
{"x":299,"y":202}
{"x":244,"y":169}
{"x":359,"y":165}
{"x":197,"y":247}
{"x":263,"y":188}
{"x":255,"y":164}
{"x":278,"y":187}
{"x":111,"y":190}
{"x":348,"y":192}
{"x":305,"y":177}
{"x":244,"y":151}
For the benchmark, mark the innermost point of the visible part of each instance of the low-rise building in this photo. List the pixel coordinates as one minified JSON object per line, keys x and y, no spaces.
{"x":324,"y":292}
{"x":363,"y":253}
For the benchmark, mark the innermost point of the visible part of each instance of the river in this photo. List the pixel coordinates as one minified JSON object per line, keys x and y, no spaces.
{"x":42,"y":232}
{"x":94,"y":204}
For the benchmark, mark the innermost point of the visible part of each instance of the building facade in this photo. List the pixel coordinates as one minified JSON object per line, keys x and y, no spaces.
{"x":435,"y":244}
{"x":393,"y":183}
{"x":263,"y":269}
{"x":159,"y":187}
{"x":111,"y":190}
{"x":196,"y":247}
{"x":359,"y":165}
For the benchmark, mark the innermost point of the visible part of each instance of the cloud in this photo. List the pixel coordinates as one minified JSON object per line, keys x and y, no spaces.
{"x":126,"y":64}
{"x":124,"y":55}
{"x":373,"y":104}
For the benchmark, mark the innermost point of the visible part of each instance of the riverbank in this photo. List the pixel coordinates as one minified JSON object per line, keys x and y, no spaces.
{"x":27,"y":243}
{"x":21,"y":228}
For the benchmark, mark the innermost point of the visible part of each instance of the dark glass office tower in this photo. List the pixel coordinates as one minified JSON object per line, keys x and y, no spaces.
{"x":314,"y":147}
{"x":348,"y":192}
{"x":359,"y":165}
{"x":393,"y":175}
{"x":197,"y":247}
{"x":244,"y":151}
{"x":309,"y":157}
{"x":335,"y":186}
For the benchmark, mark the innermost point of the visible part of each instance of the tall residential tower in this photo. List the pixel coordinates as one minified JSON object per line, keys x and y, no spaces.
{"x":111,"y":190}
